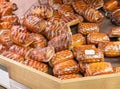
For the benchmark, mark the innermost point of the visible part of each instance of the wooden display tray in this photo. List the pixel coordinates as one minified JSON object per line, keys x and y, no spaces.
{"x":39,"y":80}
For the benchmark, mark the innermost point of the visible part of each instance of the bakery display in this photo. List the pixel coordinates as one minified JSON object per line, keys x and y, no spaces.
{"x":63,"y":37}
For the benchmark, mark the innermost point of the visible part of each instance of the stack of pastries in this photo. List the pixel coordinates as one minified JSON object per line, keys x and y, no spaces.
{"x":43,"y":38}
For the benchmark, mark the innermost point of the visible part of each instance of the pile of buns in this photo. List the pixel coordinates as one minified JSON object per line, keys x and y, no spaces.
{"x":43,"y":37}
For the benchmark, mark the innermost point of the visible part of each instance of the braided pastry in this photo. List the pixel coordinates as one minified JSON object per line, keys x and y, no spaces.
{"x":86,"y":28}
{"x":34,"y":23}
{"x":92,"y":15}
{"x":65,"y":9}
{"x":13,"y":55}
{"x":77,"y":48}
{"x":40,"y":54}
{"x":71,"y":19}
{"x":5,"y":38}
{"x":55,"y":3}
{"x":114,"y":32}
{"x":61,"y":57}
{"x":21,"y":36}
{"x":54,"y":30}
{"x":41,"y":11}
{"x":79,"y":6}
{"x":19,"y":49}
{"x":96,"y":38}
{"x":99,"y":68}
{"x":67,"y":67}
{"x":96,"y":3}
{"x":69,"y":76}
{"x":5,"y":25}
{"x":61,"y":42}
{"x":110,"y":5}
{"x":39,"y":40}
{"x":110,"y":49}
{"x":10,"y":18}
{"x":37,"y":65}
{"x":89,"y":55}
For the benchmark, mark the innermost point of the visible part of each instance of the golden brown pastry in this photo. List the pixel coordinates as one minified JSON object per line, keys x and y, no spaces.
{"x":55,"y":3}
{"x":65,"y":9}
{"x":71,"y":19}
{"x":37,"y":65}
{"x":114,"y":32}
{"x":19,"y":49}
{"x":61,"y":42}
{"x":5,"y":25}
{"x":78,"y":39}
{"x":77,"y":48}
{"x":13,"y":55}
{"x":39,"y":40}
{"x":69,"y":76}
{"x":40,"y":54}
{"x":21,"y":36}
{"x":69,"y":1}
{"x":61,"y":57}
{"x":110,"y":49}
{"x":110,"y":5}
{"x":2,"y":48}
{"x":6,"y":8}
{"x":34,"y":23}
{"x":99,"y":68}
{"x":95,"y":38}
{"x":116,"y":18}
{"x":67,"y":67}
{"x":41,"y":11}
{"x":96,"y":3}
{"x":10,"y":18}
{"x":55,"y":29}
{"x":86,"y":28}
{"x":116,"y":69}
{"x":82,"y":67}
{"x":79,"y":6}
{"x":92,"y":15}
{"x":89,"y":55}
{"x":5,"y":38}
{"x":55,"y":19}
{"x":44,"y":2}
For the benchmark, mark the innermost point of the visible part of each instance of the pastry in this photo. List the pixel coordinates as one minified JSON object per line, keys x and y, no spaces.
{"x":99,"y":68}
{"x":96,"y":3}
{"x":92,"y":15}
{"x":114,"y":32}
{"x":96,"y":38}
{"x":20,"y":36}
{"x":89,"y":55}
{"x":78,"y":39}
{"x":86,"y":28}
{"x":34,"y":23}
{"x":61,"y":42}
{"x":67,"y":67}
{"x":110,"y":49}
{"x":40,"y":54}
{"x":37,"y":65}
{"x":61,"y":57}
{"x":69,"y":76}
{"x":13,"y":55}
{"x":39,"y":41}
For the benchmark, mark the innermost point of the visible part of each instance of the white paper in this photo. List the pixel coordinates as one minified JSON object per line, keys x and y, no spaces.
{"x":89,"y":52}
